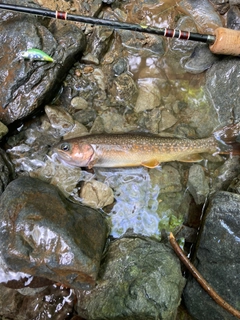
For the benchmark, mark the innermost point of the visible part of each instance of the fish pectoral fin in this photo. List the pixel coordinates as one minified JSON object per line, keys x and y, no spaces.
{"x":151,"y":163}
{"x":192,"y":158}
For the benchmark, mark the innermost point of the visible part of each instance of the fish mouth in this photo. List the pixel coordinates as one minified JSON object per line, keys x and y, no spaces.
{"x":63,"y":156}
{"x":67,"y":159}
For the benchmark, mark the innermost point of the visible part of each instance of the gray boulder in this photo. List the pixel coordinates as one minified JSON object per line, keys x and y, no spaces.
{"x":43,"y":234}
{"x":139,"y":279}
{"x":217,"y":259}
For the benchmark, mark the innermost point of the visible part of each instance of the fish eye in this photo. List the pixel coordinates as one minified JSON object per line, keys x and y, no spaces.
{"x":65,"y":146}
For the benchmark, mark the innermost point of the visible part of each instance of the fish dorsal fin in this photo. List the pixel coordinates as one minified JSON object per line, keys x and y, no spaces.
{"x":150,"y":163}
{"x":191,"y":158}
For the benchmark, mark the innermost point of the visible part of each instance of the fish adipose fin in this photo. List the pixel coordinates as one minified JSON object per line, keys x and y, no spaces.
{"x":229,"y":138}
{"x":151,"y":163}
{"x":192,"y":158}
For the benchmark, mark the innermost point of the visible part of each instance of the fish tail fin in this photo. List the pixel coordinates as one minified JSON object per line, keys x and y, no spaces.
{"x":229,"y":138}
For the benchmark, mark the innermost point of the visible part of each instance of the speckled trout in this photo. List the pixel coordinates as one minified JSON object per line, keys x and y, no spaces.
{"x":131,"y":150}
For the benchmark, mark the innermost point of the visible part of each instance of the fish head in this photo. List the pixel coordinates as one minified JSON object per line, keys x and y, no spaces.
{"x":74,"y":153}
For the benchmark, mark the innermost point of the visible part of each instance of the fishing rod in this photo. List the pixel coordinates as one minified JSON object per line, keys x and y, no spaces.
{"x":224,"y":41}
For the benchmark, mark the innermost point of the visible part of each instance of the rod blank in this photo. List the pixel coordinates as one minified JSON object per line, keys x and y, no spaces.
{"x":170,"y":33}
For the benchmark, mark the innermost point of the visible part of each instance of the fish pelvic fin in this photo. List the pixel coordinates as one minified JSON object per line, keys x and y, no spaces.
{"x":229,"y":139}
{"x":150,"y":163}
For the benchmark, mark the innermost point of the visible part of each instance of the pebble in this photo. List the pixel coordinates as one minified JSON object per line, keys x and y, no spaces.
{"x":120,"y":66}
{"x":96,"y":194}
{"x":148,"y":97}
{"x":198,"y":184}
{"x":3,"y":130}
{"x":60,"y":119}
{"x":79,"y":103}
{"x":167,"y":120}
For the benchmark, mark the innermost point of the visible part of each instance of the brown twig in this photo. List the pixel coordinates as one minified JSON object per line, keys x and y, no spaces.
{"x":200,"y":278}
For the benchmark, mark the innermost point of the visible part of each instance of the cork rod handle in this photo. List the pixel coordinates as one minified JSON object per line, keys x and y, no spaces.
{"x":227,"y":42}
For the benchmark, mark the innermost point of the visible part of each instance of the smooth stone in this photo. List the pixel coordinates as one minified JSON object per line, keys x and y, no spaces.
{"x":197,"y":184}
{"x":96,"y":194}
{"x":79,"y":103}
{"x":3,"y":130}
{"x":203,"y":13}
{"x":116,"y":123}
{"x":120,"y":66}
{"x":234,"y":2}
{"x":223,"y":89}
{"x":200,"y":60}
{"x":139,"y":279}
{"x":217,"y":259}
{"x":148,"y":97}
{"x":124,"y":89}
{"x":168,"y":178}
{"x":233,"y":17}
{"x":60,"y":119}
{"x":98,"y":44}
{"x":167,"y":120}
{"x":6,"y":169}
{"x":224,"y":175}
{"x":43,"y":234}
{"x":78,"y":130}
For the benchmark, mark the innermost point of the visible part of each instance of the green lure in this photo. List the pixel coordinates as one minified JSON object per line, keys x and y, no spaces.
{"x":36,"y":55}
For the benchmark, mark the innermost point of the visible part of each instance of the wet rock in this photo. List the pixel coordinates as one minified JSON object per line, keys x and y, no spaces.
{"x":120,"y":66}
{"x":218,"y":259}
{"x":233,"y":17}
{"x":6,"y":170}
{"x":148,"y":97}
{"x":152,"y":119}
{"x":167,"y":177}
{"x":29,"y":148}
{"x":45,"y":235}
{"x":53,"y":302}
{"x":234,"y":2}
{"x":78,"y":130}
{"x":235,"y":186}
{"x":3,"y":130}
{"x":200,"y":60}
{"x":224,"y":175}
{"x":203,"y":13}
{"x":60,"y":119}
{"x":223,"y":77}
{"x":27,"y":85}
{"x":221,"y":6}
{"x":197,"y":184}
{"x":116,"y":123}
{"x":79,"y":103}
{"x":98,"y":45}
{"x":86,"y":116}
{"x":131,"y":286}
{"x":96,"y":194}
{"x":63,"y":177}
{"x":140,"y":43}
{"x":167,"y":120}
{"x":124,"y":89}
{"x":98,"y":126}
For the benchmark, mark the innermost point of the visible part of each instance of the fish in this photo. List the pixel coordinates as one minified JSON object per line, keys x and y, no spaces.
{"x":36,"y":55}
{"x":131,"y":150}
